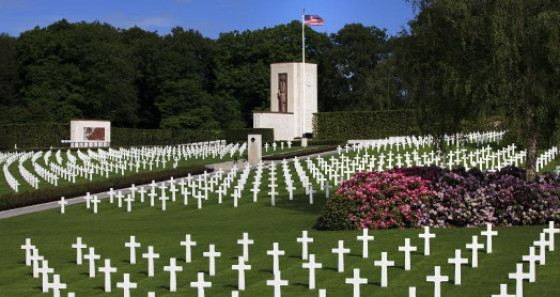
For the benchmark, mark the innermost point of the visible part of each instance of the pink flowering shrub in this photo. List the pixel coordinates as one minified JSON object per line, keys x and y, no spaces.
{"x":431,"y":196}
{"x":378,"y":200}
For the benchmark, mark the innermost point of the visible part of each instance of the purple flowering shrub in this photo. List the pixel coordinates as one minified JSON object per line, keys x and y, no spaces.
{"x":432,"y":196}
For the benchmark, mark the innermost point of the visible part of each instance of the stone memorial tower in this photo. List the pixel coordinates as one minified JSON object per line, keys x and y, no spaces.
{"x":293,"y":100}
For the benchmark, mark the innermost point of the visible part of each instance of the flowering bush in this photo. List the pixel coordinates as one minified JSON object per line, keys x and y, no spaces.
{"x":379,"y":200}
{"x":432,"y":196}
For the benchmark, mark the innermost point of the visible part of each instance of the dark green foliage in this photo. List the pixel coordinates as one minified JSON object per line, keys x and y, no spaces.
{"x":129,"y":136}
{"x":31,"y":136}
{"x":334,"y":215}
{"x":15,"y":200}
{"x":307,"y":152}
{"x":235,"y":135}
{"x":364,"y":124}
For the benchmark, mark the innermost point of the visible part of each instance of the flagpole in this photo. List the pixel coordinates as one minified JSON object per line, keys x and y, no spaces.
{"x":302,"y":115}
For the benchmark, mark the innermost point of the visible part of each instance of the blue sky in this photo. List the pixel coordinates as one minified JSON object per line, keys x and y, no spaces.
{"x":210,"y":17}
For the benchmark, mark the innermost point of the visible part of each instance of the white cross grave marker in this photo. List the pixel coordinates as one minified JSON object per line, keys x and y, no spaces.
{"x":304,"y":240}
{"x":365,"y":238}
{"x":79,"y":246}
{"x":519,"y":276}
{"x":474,"y":246}
{"x":277,"y":283}
{"x":132,"y":245}
{"x":126,"y":285}
{"x":28,"y":247}
{"x":188,"y":244}
{"x":245,"y":242}
{"x":532,"y":258}
{"x":341,"y":251}
{"x":211,"y":254}
{"x":489,"y":233}
{"x":200,"y":284}
{"x":312,"y":265}
{"x":107,"y":270}
{"x":384,"y":263}
{"x":44,"y":271}
{"x":437,"y":279}
{"x":551,"y":231}
{"x":173,"y":268}
{"x":407,"y":248}
{"x":542,"y":243}
{"x":275,"y":253}
{"x":427,"y":236}
{"x":241,"y":267}
{"x":457,"y":261}
{"x":62,"y":204}
{"x":150,"y":255}
{"x":56,"y":285}
{"x":356,"y":281}
{"x":91,"y":257}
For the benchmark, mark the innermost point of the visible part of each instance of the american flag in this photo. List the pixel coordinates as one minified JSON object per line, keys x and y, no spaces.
{"x":313,"y":20}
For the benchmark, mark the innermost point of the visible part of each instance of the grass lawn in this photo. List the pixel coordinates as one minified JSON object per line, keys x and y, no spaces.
{"x":221,"y":224}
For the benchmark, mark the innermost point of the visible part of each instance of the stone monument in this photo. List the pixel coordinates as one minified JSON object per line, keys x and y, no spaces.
{"x":254,"y":149}
{"x":90,"y":133}
{"x":293,"y":100}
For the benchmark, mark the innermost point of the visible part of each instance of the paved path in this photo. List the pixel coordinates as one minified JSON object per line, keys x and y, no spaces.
{"x":226,"y":167}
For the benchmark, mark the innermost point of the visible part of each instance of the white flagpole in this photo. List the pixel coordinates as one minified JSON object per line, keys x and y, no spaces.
{"x":302,"y":113}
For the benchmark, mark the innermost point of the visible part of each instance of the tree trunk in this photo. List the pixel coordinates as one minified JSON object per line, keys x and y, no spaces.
{"x":531,"y":151}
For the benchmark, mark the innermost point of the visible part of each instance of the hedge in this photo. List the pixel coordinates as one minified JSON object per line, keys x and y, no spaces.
{"x":345,"y":125}
{"x":21,"y":199}
{"x":235,"y":135}
{"x":45,"y":135}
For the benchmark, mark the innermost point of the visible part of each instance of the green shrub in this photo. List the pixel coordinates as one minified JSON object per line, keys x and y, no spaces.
{"x":345,"y":125}
{"x":334,"y":215}
{"x":235,"y":135}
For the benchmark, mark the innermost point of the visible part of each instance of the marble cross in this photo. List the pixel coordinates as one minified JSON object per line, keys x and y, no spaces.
{"x":107,"y":270}
{"x":356,"y":281}
{"x":407,"y":248}
{"x":437,"y":279}
{"x":341,"y":251}
{"x":384,"y":263}
{"x":275,"y":253}
{"x":474,"y":246}
{"x":489,"y":233}
{"x":132,"y":245}
{"x":365,"y":238}
{"x":150,"y":255}
{"x":277,"y":283}
{"x":304,"y":240}
{"x":241,"y":267}
{"x":245,"y":242}
{"x":427,"y":236}
{"x":211,"y":254}
{"x":91,"y":256}
{"x":519,"y":276}
{"x":201,"y":284}
{"x":457,"y":261}
{"x":188,"y":244}
{"x":311,"y":265}
{"x":126,"y":285}
{"x":173,"y":268}
{"x":532,"y":258}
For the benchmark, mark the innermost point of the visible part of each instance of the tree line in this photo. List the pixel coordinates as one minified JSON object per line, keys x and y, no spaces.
{"x":459,"y":61}
{"x":181,"y":80}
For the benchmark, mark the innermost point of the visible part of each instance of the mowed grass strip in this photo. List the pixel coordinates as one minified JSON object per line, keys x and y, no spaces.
{"x":223,"y":225}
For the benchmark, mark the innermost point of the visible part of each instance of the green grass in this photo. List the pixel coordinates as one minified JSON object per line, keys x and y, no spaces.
{"x":221,"y":224}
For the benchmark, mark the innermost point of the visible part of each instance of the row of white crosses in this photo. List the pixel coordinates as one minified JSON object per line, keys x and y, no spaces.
{"x":274,"y":145}
{"x":41,"y":269}
{"x":546,"y":157}
{"x":544,"y":244}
